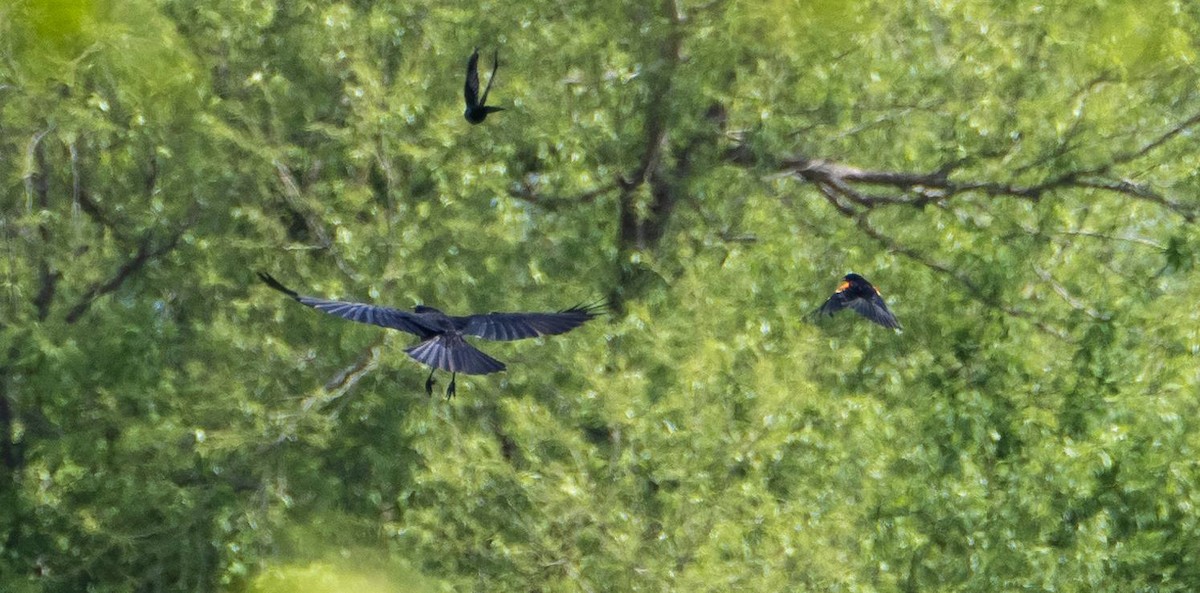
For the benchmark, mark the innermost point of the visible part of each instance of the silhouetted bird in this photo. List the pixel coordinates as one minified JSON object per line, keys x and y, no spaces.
{"x":858,"y":294}
{"x":443,"y":343}
{"x":477,"y":108}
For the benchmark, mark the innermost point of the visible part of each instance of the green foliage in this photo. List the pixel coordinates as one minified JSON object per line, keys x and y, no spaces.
{"x":167,"y":423}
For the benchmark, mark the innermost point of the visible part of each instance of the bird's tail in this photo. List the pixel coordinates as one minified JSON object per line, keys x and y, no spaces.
{"x":450,"y":352}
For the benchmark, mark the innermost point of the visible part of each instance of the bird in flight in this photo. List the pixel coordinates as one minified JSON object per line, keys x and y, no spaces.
{"x":443,"y":337}
{"x":858,"y":294}
{"x":477,"y":108}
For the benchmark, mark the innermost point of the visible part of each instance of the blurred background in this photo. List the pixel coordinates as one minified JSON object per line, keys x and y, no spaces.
{"x":1018,"y":178}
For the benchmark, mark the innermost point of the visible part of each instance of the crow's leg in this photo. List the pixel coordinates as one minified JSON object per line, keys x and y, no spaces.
{"x":450,"y":390}
{"x":429,"y":383}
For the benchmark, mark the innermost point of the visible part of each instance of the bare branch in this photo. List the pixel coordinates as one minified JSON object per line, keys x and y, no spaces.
{"x":638,"y":231}
{"x":1165,"y":137}
{"x":334,"y":389}
{"x":145,"y":253}
{"x":37,"y":184}
{"x":1140,"y":191}
{"x":45,"y":295}
{"x":345,"y":380}
{"x":97,"y":213}
{"x":678,"y":16}
{"x":152,"y":175}
{"x":1066,"y":295}
{"x":832,"y":197}
{"x":76,"y":181}
{"x":924,"y":187}
{"x":920,"y":189}
{"x":10,"y":453}
{"x":528,"y":192}
{"x":936,"y":187}
{"x":1095,"y":235}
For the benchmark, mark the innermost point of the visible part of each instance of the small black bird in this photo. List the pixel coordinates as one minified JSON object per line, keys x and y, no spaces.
{"x":858,"y":294}
{"x":443,"y":344}
{"x":477,"y":108}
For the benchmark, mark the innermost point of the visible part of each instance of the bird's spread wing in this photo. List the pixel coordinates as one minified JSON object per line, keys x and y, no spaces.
{"x":518,"y":326}
{"x":833,"y":304}
{"x":873,"y":308}
{"x":491,"y":79}
{"x":360,"y":312}
{"x":471,"y":88}
{"x":450,"y":352}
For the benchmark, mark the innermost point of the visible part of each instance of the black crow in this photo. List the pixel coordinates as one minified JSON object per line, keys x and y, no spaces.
{"x":477,"y":108}
{"x":443,"y":337}
{"x":858,"y":294}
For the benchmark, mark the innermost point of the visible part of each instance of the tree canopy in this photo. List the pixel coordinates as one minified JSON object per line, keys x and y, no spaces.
{"x":1018,"y":177}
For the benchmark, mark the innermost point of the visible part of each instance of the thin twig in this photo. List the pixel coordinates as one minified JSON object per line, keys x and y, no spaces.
{"x":145,"y":253}
{"x":1066,"y":295}
{"x":1165,"y":137}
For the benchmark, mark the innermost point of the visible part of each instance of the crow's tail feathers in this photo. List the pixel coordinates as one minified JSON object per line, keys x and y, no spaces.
{"x":450,"y":352}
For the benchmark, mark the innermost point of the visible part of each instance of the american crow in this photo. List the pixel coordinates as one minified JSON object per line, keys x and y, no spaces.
{"x":477,"y":108}
{"x":858,"y":294}
{"x":443,"y":337}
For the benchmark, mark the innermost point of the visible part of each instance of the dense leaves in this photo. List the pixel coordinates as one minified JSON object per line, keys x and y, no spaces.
{"x":1018,"y":178}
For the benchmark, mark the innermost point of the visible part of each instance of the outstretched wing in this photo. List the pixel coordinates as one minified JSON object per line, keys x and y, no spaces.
{"x":833,"y":304}
{"x":873,"y":308}
{"x":491,"y":79}
{"x":450,"y":352}
{"x":518,"y":326}
{"x":360,"y":312}
{"x":471,"y":88}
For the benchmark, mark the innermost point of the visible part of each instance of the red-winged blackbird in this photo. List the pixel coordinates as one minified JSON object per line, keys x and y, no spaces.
{"x":858,"y":294}
{"x":443,"y":344}
{"x":477,"y":108}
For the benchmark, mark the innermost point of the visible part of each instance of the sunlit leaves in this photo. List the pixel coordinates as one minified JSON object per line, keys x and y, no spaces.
{"x":1030,"y":428}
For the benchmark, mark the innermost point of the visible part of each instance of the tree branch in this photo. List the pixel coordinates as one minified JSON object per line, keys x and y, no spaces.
{"x":37,"y":184}
{"x":145,"y":253}
{"x":528,"y":192}
{"x":334,"y":389}
{"x":638,"y":231}
{"x":345,"y":380}
{"x":1140,"y":191}
{"x":9,"y":451}
{"x":1066,"y":295}
{"x":921,"y":189}
{"x":1163,"y":138}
